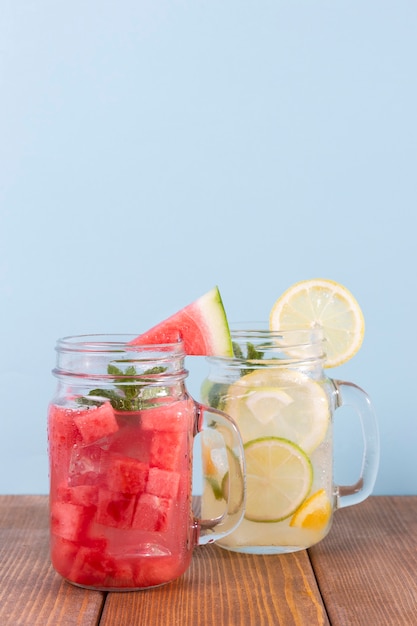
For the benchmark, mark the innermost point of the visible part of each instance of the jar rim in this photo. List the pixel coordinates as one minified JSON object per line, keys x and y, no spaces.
{"x":263,"y":325}
{"x":262,"y":329}
{"x":90,"y":356}
{"x":116,"y":342}
{"x":256,"y":344}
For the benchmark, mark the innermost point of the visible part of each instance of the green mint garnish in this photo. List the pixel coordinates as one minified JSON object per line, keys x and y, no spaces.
{"x":130,"y":393}
{"x":252,"y":354}
{"x":217,"y":395}
{"x":237,"y":350}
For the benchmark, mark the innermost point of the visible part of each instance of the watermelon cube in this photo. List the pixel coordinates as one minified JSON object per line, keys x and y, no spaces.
{"x":168,"y":450}
{"x":61,"y":428}
{"x":69,"y":520}
{"x":153,"y":513}
{"x":115,"y":509}
{"x":169,"y":416}
{"x":163,"y":483}
{"x":63,"y":553}
{"x":126,"y":475}
{"x":90,"y":566}
{"x":62,"y":435}
{"x":84,"y":495}
{"x":96,"y":422}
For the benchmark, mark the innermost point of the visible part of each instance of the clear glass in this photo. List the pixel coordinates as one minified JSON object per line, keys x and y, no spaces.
{"x":277,"y":392}
{"x":121,"y":432}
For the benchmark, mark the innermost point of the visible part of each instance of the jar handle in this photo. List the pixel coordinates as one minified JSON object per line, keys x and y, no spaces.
{"x":349,"y":394}
{"x":225,"y":439}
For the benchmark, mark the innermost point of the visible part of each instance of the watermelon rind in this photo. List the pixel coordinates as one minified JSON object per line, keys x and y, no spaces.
{"x":215,"y":324}
{"x":202,"y":325}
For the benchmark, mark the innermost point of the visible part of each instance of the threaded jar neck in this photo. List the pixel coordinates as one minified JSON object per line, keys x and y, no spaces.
{"x":254,"y":346}
{"x":98,"y":368}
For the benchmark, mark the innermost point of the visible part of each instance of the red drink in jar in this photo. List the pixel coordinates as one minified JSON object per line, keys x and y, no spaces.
{"x":121,"y":465}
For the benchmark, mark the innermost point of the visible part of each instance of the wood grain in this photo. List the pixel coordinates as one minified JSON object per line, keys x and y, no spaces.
{"x":227,"y":589}
{"x":367,"y":566}
{"x":363,"y":573}
{"x":31,"y":593}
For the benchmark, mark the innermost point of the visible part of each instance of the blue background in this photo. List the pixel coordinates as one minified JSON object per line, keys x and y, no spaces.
{"x":152,"y":149}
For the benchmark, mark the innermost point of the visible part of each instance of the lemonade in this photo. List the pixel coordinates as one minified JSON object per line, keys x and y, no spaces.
{"x":284,"y":414}
{"x":276,"y":390}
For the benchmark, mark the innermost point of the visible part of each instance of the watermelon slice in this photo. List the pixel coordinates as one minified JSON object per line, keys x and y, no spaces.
{"x":202,"y":325}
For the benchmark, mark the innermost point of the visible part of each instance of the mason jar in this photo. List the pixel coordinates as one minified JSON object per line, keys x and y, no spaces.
{"x":279,"y":394}
{"x":121,"y":430}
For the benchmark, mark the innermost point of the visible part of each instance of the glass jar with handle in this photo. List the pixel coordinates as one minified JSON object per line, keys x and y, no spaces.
{"x":277,"y":391}
{"x":121,"y":432}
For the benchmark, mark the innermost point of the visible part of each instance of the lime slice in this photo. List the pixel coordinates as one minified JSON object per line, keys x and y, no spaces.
{"x":314,"y":513}
{"x":325,"y":303}
{"x":278,"y":478}
{"x":280,"y":402}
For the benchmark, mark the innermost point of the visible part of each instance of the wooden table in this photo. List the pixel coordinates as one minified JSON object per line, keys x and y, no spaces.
{"x":364,"y":572}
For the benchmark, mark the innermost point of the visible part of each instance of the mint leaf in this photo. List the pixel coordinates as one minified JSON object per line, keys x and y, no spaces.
{"x":237,"y":350}
{"x":127,"y":397}
{"x":253,"y":354}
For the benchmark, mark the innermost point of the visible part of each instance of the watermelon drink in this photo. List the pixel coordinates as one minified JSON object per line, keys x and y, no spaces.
{"x":121,"y":431}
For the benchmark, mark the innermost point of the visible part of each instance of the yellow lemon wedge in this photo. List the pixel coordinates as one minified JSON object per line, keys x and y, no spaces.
{"x":314,"y":514}
{"x":215,"y":460}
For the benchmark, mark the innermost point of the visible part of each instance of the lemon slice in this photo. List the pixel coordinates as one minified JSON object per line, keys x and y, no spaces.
{"x":235,"y":471}
{"x":278,"y":478}
{"x":314,"y":513}
{"x":282,"y":403}
{"x":215,"y":460}
{"x":325,"y":303}
{"x":220,"y":466}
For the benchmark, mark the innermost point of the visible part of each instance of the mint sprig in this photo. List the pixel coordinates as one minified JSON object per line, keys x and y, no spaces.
{"x":252,"y":354}
{"x":130,"y":392}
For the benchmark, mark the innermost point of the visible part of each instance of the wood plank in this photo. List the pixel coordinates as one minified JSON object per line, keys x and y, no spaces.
{"x":31,"y":593}
{"x":366,"y":571}
{"x":227,"y":589}
{"x":367,"y":565}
